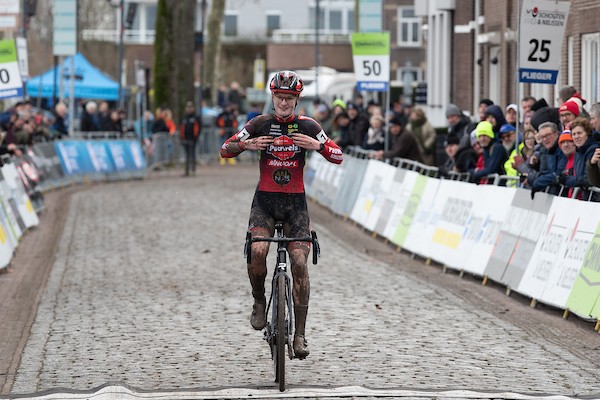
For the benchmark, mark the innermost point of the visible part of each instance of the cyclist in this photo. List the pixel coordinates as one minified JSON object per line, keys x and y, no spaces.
{"x":282,"y":139}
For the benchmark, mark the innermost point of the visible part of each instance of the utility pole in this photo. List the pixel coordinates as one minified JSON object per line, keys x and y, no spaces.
{"x":120,"y":57}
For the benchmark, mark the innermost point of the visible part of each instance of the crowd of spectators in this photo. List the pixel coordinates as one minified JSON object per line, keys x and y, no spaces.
{"x":554,"y":150}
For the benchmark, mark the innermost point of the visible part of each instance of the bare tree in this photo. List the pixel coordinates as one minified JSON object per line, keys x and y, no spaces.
{"x":213,"y":49}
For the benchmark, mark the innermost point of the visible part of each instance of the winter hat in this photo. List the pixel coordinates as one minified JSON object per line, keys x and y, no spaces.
{"x":569,"y":106}
{"x":485,"y":128}
{"x":577,"y":101}
{"x":452,"y":109}
{"x":339,"y":102}
{"x":539,"y":104}
{"x":487,"y":102}
{"x":546,"y":114}
{"x":451,"y":139}
{"x":512,"y":106}
{"x":507,"y":128}
{"x":565,"y":136}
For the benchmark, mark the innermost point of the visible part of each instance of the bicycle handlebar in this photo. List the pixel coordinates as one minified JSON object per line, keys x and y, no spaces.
{"x":312,"y":239}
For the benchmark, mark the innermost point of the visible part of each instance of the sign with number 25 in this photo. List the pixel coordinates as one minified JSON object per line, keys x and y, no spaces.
{"x":542,"y":30}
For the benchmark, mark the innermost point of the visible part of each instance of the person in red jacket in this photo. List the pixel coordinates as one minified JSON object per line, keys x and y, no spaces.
{"x":189,"y":131}
{"x":282,"y":139}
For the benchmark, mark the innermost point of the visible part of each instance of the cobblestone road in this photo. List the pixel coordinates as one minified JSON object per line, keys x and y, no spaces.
{"x":149,"y":289}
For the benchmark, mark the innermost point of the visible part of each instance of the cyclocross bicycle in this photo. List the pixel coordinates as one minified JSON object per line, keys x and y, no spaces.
{"x":279,"y":332}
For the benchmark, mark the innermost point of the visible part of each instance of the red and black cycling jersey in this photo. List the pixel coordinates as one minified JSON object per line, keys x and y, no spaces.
{"x":282,"y":163}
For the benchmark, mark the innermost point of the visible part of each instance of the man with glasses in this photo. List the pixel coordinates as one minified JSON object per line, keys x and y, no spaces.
{"x":282,"y":139}
{"x":552,"y":161}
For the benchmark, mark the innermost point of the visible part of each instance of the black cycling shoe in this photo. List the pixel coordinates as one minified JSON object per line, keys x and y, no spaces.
{"x":258,"y":319}
{"x":300,"y":347}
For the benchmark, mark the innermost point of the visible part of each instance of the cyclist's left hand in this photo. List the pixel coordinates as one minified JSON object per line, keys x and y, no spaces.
{"x":306,"y":142}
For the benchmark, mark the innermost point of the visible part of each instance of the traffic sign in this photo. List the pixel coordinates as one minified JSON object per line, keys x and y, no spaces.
{"x":11,"y":84}
{"x":371,"y":57}
{"x":542,"y":29}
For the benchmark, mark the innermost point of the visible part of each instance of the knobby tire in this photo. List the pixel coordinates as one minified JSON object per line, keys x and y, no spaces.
{"x":281,"y":353}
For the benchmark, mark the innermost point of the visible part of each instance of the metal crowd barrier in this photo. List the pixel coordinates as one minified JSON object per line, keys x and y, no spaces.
{"x":164,"y":149}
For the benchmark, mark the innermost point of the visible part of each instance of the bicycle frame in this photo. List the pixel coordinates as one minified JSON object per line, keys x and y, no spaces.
{"x":278,"y":340}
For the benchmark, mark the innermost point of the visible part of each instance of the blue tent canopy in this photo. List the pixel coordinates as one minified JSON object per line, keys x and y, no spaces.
{"x":90,"y":82}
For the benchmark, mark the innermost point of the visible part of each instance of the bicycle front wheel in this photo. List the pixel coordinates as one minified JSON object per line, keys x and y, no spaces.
{"x":281,"y":307}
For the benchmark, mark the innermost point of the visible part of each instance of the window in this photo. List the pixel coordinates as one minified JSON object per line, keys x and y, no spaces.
{"x":230,"y":25}
{"x":335,"y":20}
{"x":150,"y":17}
{"x":313,"y":17}
{"x":350,"y":19}
{"x":409,"y":27}
{"x":273,"y":22}
{"x":590,"y":67}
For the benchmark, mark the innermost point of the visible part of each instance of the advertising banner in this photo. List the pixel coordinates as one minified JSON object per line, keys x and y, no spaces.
{"x":518,"y":236}
{"x":350,"y":185}
{"x":17,"y":195}
{"x":542,"y":29}
{"x":559,"y":252}
{"x":421,"y":229}
{"x":406,"y":206}
{"x":376,"y":185}
{"x":65,"y":27}
{"x":583,"y":299}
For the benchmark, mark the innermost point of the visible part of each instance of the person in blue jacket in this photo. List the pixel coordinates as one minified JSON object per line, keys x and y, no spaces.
{"x":581,"y":132}
{"x":494,"y":154}
{"x":552,"y":161}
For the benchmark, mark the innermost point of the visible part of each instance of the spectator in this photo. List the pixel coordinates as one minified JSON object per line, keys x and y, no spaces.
{"x":458,"y":123}
{"x":159,"y":125}
{"x":595,"y":121}
{"x":398,"y":112}
{"x":581,"y":132}
{"x":467,"y":154}
{"x":567,"y":93}
{"x":511,"y":114}
{"x":375,"y":137}
{"x":483,"y":106}
{"x":189,"y":131}
{"x":593,"y":169}
{"x":337,"y":106}
{"x":143,"y":126}
{"x":495,"y":116}
{"x":228,"y":125}
{"x":222,"y":96}
{"x":566,"y":144}
{"x":89,"y":117}
{"x":568,"y":111}
{"x":253,"y":112}
{"x":114,"y":123}
{"x":359,"y":102}
{"x":60,"y":125}
{"x":494,"y":154}
{"x":104,"y":117}
{"x":451,"y":148}
{"x":526,"y":103}
{"x":552,"y":161}
{"x":168,"y":118}
{"x":425,"y":134}
{"x":339,"y":130}
{"x":522,"y":158}
{"x":359,"y":124}
{"x":322,"y":115}
{"x":235,"y":96}
{"x":404,"y":144}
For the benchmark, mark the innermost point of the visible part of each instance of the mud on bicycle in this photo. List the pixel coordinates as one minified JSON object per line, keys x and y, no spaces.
{"x":278,"y":332}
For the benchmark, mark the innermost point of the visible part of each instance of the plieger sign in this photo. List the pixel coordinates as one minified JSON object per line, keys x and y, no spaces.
{"x":542,"y":30}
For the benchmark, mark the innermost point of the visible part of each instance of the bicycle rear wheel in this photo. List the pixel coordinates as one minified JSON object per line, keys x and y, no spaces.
{"x":281,"y":333}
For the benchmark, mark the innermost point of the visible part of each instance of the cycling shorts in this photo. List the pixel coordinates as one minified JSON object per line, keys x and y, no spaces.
{"x":290,"y":208}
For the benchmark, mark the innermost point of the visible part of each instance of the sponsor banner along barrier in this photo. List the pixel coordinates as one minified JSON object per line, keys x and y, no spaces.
{"x":22,"y":205}
{"x":98,"y":159}
{"x":324,"y":180}
{"x":547,"y":248}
